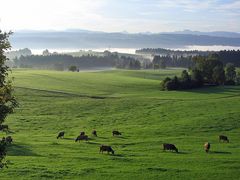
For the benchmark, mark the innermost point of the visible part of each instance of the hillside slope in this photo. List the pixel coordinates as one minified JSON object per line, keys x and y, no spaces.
{"x":128,"y":101}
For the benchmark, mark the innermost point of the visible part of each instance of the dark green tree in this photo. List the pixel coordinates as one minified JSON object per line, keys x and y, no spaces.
{"x":238,"y":77}
{"x":218,"y":75}
{"x":162,"y":64}
{"x":185,"y":76}
{"x":7,"y":100}
{"x":196,"y":77}
{"x":156,"y":62}
{"x":73,"y":68}
{"x":206,"y":66}
{"x":163,"y":83}
{"x":230,"y":73}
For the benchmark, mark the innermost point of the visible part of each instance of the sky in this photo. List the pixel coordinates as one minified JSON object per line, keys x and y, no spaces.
{"x":121,"y":15}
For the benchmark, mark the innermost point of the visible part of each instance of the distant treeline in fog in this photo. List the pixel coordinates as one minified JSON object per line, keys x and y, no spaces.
{"x":63,"y":62}
{"x":160,"y":58}
{"x":178,"y":58}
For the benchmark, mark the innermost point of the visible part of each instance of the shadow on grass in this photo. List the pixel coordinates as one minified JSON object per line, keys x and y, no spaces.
{"x":182,"y":153}
{"x":72,"y":139}
{"x":118,"y":155}
{"x":215,"y":90}
{"x":90,"y":142}
{"x":20,"y":150}
{"x":120,"y":137}
{"x":220,"y":152}
{"x":101,"y":137}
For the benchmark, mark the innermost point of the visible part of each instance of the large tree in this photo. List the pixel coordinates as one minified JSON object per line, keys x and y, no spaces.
{"x":230,"y":72}
{"x":218,"y":75}
{"x":7,"y":100}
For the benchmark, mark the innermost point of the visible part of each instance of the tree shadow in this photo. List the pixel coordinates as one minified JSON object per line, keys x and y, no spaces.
{"x":100,"y":137}
{"x":93,"y":143}
{"x":117,"y":155}
{"x":215,"y":90}
{"x":120,"y":137}
{"x":72,"y":139}
{"x":220,"y":152}
{"x":182,"y":152}
{"x":20,"y":150}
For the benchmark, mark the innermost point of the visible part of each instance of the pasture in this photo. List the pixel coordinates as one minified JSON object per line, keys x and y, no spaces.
{"x":128,"y":101}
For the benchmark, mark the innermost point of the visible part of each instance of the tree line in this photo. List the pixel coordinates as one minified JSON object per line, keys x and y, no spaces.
{"x":206,"y":71}
{"x":63,"y":62}
{"x":185,"y":59}
{"x":165,"y":52}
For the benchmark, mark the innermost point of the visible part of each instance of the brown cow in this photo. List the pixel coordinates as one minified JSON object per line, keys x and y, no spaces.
{"x":116,"y":133}
{"x":170,"y":147}
{"x":106,"y":148}
{"x":207,"y":147}
{"x":83,"y":137}
{"x":223,"y":138}
{"x":61,"y":134}
{"x":94,"y":132}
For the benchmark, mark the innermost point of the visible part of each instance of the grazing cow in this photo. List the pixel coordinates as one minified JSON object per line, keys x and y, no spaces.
{"x":170,"y":147}
{"x":116,"y":133}
{"x":61,"y":134}
{"x":82,"y":133}
{"x":9,"y":140}
{"x":83,"y":137}
{"x":223,"y":138}
{"x":207,"y":147}
{"x":106,"y":148}
{"x":94,"y":132}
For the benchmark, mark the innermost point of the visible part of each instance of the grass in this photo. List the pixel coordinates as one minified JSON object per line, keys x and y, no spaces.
{"x":128,"y":101}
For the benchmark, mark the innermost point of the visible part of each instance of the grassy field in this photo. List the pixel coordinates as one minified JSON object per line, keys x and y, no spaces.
{"x":128,"y":101}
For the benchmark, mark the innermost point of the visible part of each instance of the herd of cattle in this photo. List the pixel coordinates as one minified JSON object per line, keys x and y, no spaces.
{"x":83,"y":136}
{"x":108,"y":149}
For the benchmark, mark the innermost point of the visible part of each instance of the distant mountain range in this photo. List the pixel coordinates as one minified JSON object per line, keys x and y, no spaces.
{"x":214,"y":33}
{"x":75,"y":38}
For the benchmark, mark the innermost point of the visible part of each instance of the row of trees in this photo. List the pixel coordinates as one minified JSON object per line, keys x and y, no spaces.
{"x":64,"y":62}
{"x":165,"y":52}
{"x":207,"y":71}
{"x":179,"y":59}
{"x":186,"y":59}
{"x":128,"y":63}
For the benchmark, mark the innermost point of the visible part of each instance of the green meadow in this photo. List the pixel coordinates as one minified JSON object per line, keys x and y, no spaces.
{"x":128,"y":101}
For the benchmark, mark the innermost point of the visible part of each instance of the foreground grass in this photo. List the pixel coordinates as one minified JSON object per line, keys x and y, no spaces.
{"x":128,"y":101}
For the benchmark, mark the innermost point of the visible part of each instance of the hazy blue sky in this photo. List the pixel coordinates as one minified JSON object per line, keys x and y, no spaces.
{"x":121,"y":15}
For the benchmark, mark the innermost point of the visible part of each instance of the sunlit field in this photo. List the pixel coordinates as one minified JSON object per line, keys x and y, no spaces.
{"x":130,"y":102}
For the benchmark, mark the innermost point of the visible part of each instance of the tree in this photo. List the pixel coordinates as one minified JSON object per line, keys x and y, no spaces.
{"x":185,"y":76}
{"x":218,"y":75}
{"x":238,"y":77}
{"x":162,"y":64}
{"x":206,"y":66}
{"x":46,"y":52}
{"x":73,"y":68}
{"x":7,"y":100}
{"x":163,"y":83}
{"x":156,"y":62}
{"x":230,"y":73}
{"x":196,"y":77}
